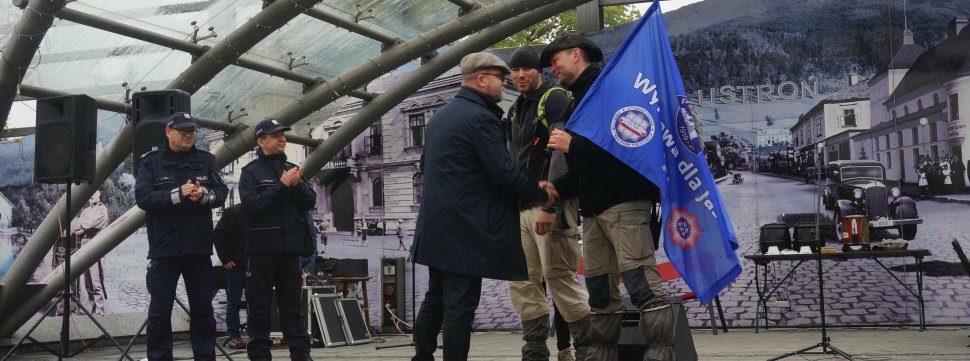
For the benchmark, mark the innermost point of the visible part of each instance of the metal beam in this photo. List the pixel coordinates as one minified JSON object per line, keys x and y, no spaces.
{"x":128,"y":223}
{"x":387,"y":40}
{"x":20,"y":48}
{"x":194,"y":49}
{"x":240,"y":142}
{"x":34,"y":92}
{"x":133,"y":32}
{"x":18,"y":132}
{"x":429,"y":71}
{"x":589,"y":17}
{"x":387,"y":61}
{"x":465,"y":5}
{"x":257,"y":28}
{"x":623,"y":2}
{"x":199,"y":73}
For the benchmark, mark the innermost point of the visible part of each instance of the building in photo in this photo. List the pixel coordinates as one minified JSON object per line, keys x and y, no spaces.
{"x":833,"y":121}
{"x":377,"y":178}
{"x":923,"y":112}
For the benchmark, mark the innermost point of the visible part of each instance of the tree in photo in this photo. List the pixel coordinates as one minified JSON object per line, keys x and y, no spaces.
{"x":545,"y":31}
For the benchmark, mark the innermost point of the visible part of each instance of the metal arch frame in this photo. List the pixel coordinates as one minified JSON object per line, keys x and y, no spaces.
{"x":385,"y":39}
{"x":20,"y":49}
{"x":318,"y":97}
{"x":203,"y":70}
{"x":390,"y":59}
{"x":35,"y":92}
{"x":194,"y":49}
{"x":257,"y":28}
{"x":430,"y":70}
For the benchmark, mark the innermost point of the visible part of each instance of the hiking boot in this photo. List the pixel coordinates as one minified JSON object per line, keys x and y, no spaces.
{"x":237,"y":343}
{"x":566,"y":355}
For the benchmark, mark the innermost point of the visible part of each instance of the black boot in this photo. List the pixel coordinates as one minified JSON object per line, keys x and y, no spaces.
{"x":603,"y":334}
{"x":657,"y":328}
{"x":534,"y":333}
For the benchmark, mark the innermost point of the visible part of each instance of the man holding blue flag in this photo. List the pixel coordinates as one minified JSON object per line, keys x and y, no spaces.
{"x":616,"y":204}
{"x":636,"y":112}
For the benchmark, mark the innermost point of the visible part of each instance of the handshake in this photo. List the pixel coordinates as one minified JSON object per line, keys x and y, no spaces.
{"x":551,"y":193}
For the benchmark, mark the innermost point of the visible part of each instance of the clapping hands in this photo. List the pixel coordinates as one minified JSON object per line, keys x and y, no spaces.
{"x":291,"y":177}
{"x":192,"y":191}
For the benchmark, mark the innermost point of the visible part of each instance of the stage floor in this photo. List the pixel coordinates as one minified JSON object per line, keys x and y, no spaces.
{"x":936,"y":343}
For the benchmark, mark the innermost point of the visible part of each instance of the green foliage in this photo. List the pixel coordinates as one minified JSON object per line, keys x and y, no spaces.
{"x":545,"y":31}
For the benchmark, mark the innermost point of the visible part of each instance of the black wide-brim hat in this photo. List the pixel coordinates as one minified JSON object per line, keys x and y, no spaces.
{"x":570,"y":41}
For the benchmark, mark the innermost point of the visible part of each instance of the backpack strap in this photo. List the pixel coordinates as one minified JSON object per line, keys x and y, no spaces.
{"x":541,"y":109}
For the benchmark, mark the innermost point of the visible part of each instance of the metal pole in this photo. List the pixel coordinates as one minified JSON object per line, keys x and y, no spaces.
{"x":199,"y":73}
{"x":66,"y":297}
{"x":20,"y":48}
{"x":322,"y":95}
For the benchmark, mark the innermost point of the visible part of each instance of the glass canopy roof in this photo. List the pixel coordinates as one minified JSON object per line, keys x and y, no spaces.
{"x":80,"y":59}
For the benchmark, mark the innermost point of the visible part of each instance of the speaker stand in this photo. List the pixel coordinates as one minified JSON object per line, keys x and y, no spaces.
{"x":64,"y":297}
{"x":825,"y":344}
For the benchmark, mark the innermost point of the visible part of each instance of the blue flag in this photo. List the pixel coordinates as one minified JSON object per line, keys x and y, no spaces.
{"x":637,"y":111}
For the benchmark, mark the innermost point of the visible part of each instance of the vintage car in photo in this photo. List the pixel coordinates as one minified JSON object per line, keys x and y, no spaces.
{"x":859,"y":187}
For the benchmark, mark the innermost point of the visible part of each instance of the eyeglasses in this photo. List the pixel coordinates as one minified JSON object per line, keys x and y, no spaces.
{"x":497,"y":75}
{"x":185,"y":131}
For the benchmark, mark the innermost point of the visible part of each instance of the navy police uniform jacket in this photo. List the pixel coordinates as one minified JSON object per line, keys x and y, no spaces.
{"x":176,"y":225}
{"x":276,"y":214}
{"x":469,"y":218}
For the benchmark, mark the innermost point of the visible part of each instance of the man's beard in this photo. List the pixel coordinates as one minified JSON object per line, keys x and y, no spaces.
{"x":497,"y":97}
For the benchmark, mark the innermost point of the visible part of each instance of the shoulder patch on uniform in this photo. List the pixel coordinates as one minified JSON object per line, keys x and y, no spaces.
{"x":155,"y":149}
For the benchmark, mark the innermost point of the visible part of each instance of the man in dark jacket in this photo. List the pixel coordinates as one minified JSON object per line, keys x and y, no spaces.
{"x":229,"y":237}
{"x":178,"y":186}
{"x":616,"y":204}
{"x":549,"y":235}
{"x":467,"y":227}
{"x":277,"y":200}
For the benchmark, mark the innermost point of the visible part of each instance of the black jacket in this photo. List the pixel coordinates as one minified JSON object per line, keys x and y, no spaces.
{"x":229,"y":236}
{"x":527,"y":137}
{"x":176,"y":225}
{"x":276,"y":214}
{"x":469,"y":218}
{"x":596,"y":176}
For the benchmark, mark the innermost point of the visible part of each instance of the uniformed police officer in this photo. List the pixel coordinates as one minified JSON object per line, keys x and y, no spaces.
{"x":178,"y":185}
{"x":277,"y":200}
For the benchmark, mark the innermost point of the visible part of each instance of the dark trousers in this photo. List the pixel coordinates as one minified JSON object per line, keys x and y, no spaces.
{"x":162,"y":279}
{"x":235,"y":283}
{"x":562,"y":329}
{"x":450,"y":303}
{"x":282,"y":271}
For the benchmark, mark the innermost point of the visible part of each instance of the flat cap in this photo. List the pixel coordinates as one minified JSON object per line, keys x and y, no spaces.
{"x":477,"y":61}
{"x":570,"y":41}
{"x":181,"y":120}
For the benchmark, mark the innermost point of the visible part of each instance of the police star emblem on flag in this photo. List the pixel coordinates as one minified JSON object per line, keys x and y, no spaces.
{"x":683,"y":228}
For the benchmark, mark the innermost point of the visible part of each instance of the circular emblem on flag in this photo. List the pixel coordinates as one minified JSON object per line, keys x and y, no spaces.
{"x":632,"y":126}
{"x":686,"y":129}
{"x":683,"y":229}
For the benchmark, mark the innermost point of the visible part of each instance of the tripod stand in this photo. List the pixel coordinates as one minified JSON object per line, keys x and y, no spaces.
{"x":826,"y":345}
{"x":65,"y":297}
